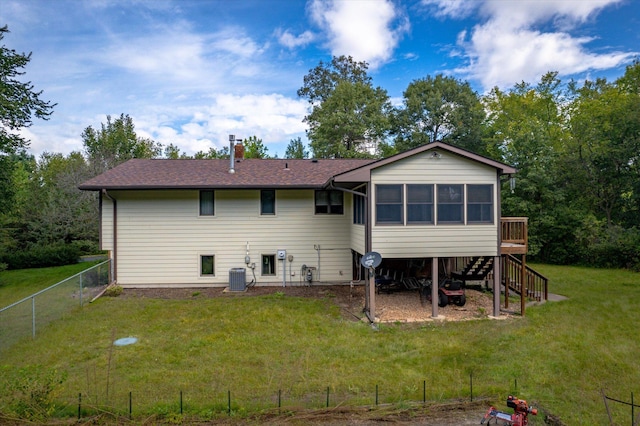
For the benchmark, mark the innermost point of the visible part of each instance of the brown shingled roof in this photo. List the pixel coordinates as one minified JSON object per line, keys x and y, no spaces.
{"x":249,"y":173}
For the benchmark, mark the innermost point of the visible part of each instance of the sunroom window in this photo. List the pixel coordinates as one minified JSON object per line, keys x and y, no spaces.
{"x":450,"y":203}
{"x":479,"y":203}
{"x":389,"y":204}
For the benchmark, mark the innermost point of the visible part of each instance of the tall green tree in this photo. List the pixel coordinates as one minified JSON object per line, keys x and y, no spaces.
{"x":439,"y":108}
{"x":19,"y":103}
{"x":604,"y":154}
{"x":348,"y":116}
{"x":254,"y":148}
{"x":527,"y":128}
{"x":59,"y":212}
{"x":296,"y":149}
{"x":322,"y":80}
{"x":116,"y":142}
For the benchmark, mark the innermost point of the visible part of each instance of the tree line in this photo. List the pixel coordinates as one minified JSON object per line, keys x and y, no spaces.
{"x":576,"y":148}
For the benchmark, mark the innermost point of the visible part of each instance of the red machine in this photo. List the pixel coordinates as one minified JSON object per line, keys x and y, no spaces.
{"x":519,"y":417}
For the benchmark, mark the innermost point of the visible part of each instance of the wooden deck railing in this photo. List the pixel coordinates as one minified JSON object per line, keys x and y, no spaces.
{"x":514,"y":230}
{"x":536,"y":283}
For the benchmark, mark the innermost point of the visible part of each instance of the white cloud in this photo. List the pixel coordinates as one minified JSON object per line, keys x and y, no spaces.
{"x":192,"y":127}
{"x":508,"y":47}
{"x":272,"y":117}
{"x":366,"y":30}
{"x":291,"y":41}
{"x":450,"y":8}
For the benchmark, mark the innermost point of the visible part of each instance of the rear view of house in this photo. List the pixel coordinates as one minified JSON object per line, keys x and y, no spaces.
{"x":201,"y":223}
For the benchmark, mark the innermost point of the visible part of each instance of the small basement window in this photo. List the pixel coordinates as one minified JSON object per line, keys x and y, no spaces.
{"x":268,"y":264}
{"x":207,"y":265}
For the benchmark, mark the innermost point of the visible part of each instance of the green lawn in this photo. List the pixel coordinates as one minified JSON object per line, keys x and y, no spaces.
{"x":561,"y":355}
{"x":18,"y":284}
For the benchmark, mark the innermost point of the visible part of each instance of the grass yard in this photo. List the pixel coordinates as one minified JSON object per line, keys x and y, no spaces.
{"x":561,"y":355}
{"x":15,"y":285}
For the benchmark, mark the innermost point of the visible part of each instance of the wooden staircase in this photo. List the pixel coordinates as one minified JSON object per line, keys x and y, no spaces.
{"x":479,"y":268}
{"x":476,"y":269}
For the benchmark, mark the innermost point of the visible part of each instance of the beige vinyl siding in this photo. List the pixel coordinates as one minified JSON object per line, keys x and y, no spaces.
{"x":356,"y":231}
{"x":161,"y":237}
{"x":396,"y":241}
{"x":357,"y":238}
{"x":106,"y":240}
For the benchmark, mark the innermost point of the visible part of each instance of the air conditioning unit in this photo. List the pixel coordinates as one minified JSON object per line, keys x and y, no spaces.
{"x":237,"y":279}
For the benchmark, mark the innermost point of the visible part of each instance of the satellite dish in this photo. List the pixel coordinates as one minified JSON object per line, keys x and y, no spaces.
{"x":371,"y":259}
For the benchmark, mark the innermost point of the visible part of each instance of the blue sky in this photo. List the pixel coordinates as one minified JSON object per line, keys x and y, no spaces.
{"x":191,"y":72}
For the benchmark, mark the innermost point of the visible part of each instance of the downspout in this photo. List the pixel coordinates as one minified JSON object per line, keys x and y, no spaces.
{"x":115,"y":234}
{"x":371,"y":287}
{"x":369,"y":292}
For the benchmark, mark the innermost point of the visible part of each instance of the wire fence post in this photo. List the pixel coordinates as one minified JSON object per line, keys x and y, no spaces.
{"x":376,"y":394}
{"x":229,"y":402}
{"x":327,"y":396}
{"x":79,"y":405}
{"x":130,"y":406}
{"x":471,"y":385}
{"x":633,"y":417}
{"x":33,"y":317}
{"x":180,"y":402}
{"x":424,"y":391}
{"x":80,"y":290}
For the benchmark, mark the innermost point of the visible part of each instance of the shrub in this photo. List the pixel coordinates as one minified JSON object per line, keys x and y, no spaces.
{"x":34,"y":391}
{"x":113,"y":291}
{"x":609,"y":246}
{"x":86,"y":247}
{"x":42,"y":256}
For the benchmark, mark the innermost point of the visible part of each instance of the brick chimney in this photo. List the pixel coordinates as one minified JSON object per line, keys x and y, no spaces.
{"x":239,"y":151}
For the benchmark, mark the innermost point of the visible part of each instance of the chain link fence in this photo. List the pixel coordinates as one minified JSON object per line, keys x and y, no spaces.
{"x":29,"y":315}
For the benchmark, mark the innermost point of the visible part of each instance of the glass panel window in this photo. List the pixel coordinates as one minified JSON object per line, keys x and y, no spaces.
{"x":419,"y":204}
{"x":207,"y":265}
{"x":359,"y":209}
{"x":268,"y":201}
{"x":480,"y":203}
{"x":450,"y":204}
{"x":389,"y":204}
{"x":268,"y":264}
{"x":329,"y":202}
{"x":206,"y":203}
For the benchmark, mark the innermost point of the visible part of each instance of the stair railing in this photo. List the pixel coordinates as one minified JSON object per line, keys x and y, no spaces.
{"x":536,"y":283}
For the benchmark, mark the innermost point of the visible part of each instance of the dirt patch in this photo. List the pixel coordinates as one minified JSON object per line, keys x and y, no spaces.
{"x":401,"y":306}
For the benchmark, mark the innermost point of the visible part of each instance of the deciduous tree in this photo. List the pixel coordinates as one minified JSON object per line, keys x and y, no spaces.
{"x":19,"y":103}
{"x":348,"y":115}
{"x":254,"y":148}
{"x":439,"y":109}
{"x":296,"y":149}
{"x":116,"y":142}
